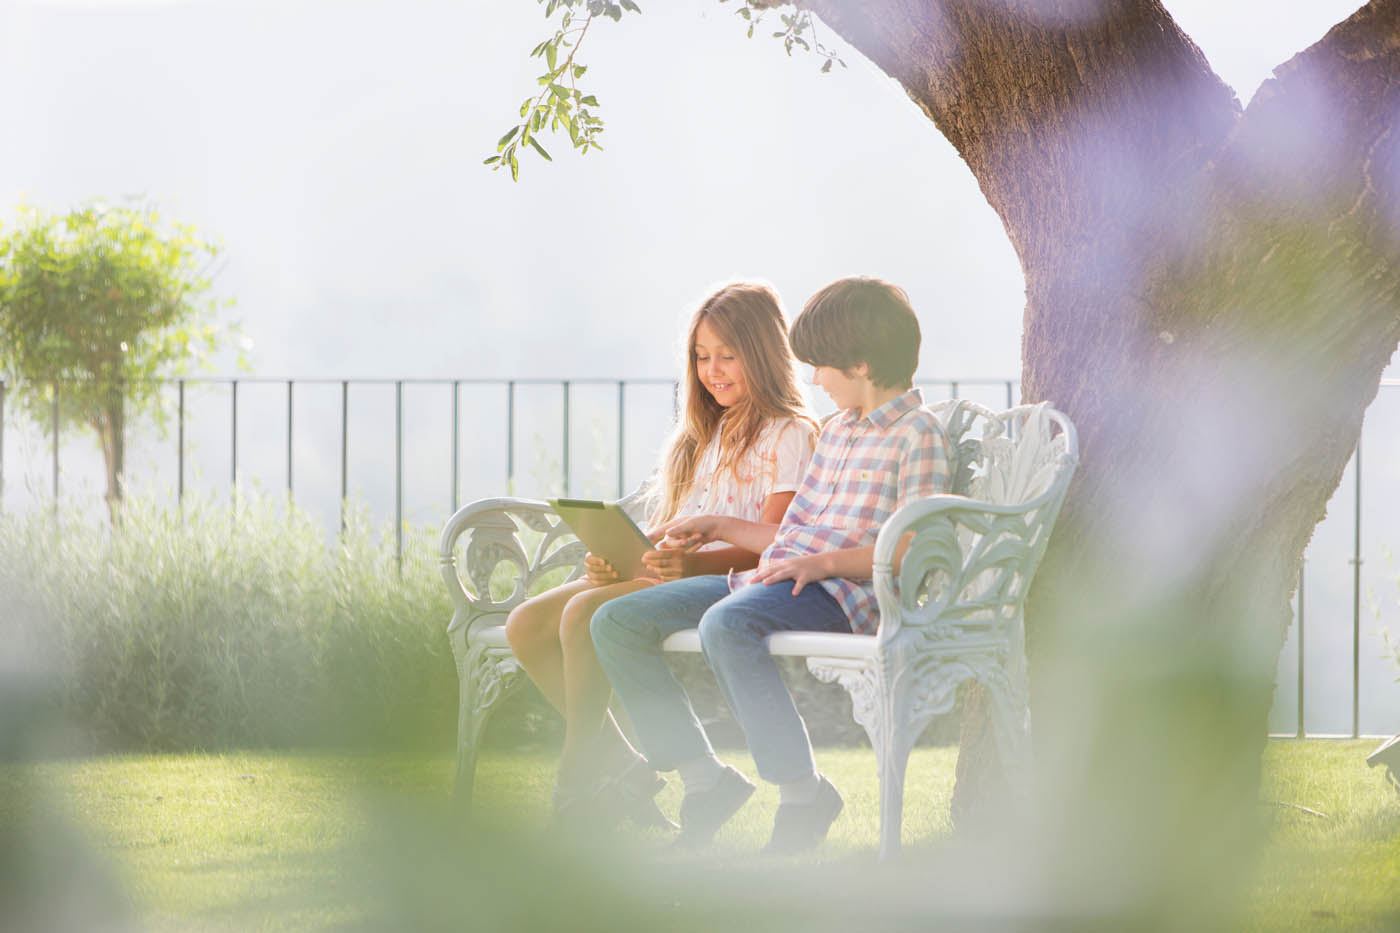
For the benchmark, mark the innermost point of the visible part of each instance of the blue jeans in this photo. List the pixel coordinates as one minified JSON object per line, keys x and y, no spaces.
{"x":734,"y":628}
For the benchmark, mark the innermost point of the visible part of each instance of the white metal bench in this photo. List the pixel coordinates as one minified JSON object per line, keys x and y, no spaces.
{"x":952,"y":613}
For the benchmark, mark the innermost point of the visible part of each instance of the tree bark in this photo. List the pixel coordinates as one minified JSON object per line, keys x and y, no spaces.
{"x":1211,"y":296}
{"x":111,"y":434}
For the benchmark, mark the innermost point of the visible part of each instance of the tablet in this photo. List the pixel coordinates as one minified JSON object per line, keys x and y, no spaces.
{"x":606,"y":531}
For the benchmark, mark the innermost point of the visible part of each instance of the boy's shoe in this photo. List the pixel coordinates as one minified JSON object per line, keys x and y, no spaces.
{"x":704,"y":812}
{"x":634,"y":791}
{"x":801,"y":826}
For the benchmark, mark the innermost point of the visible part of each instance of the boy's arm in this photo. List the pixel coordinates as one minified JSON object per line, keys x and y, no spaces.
{"x":924,"y":467}
{"x":853,"y":563}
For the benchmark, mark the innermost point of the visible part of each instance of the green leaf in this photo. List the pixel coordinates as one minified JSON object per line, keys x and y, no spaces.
{"x":510,"y":134}
{"x":540,"y":149}
{"x":492,"y":160}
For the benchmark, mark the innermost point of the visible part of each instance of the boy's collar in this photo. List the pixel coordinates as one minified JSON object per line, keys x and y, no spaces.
{"x":890,"y":412}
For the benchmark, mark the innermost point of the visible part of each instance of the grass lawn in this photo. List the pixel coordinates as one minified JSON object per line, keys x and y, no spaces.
{"x":310,"y":842}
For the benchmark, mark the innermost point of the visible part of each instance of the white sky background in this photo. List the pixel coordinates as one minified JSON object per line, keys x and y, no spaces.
{"x":335,"y":147}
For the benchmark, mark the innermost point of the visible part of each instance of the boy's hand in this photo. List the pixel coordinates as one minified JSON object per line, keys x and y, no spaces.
{"x":694,"y":530}
{"x":666,"y":562}
{"x":598,"y":570}
{"x":800,"y":570}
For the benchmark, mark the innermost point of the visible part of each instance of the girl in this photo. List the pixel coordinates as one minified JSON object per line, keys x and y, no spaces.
{"x":741,"y":448}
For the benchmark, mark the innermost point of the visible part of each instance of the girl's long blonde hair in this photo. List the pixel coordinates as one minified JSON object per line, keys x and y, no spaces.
{"x":749,"y":319}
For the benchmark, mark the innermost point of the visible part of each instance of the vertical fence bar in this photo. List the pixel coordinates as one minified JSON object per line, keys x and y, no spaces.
{"x":55,"y":449}
{"x":344,"y":449}
{"x":456,"y":391}
{"x":2,"y":445}
{"x":180,"y":445}
{"x":1009,"y":402}
{"x":289,"y":442}
{"x":233,"y":453}
{"x":510,"y":437}
{"x":953,"y":388}
{"x":398,"y":474}
{"x":621,"y":420}
{"x":566,"y":437}
{"x":1356,"y":607}
{"x":1302,"y":577}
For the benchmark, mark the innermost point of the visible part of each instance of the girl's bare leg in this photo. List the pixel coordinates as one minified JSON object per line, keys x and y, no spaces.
{"x":593,"y":743}
{"x":532,"y":628}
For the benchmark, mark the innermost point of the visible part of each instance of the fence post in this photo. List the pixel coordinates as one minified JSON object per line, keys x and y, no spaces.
{"x":233,"y":446}
{"x":1302,"y":576}
{"x":55,"y":448}
{"x":289,"y":442}
{"x":2,"y":445}
{"x":510,"y":436}
{"x":456,"y":392}
{"x":1009,"y":401}
{"x":344,"y":448}
{"x":398,"y":474}
{"x":1356,"y":606}
{"x":180,"y":446}
{"x":621,"y":448}
{"x":566,"y":437}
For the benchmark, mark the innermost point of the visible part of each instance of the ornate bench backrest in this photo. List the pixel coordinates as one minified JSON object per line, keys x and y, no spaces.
{"x":971,"y":564}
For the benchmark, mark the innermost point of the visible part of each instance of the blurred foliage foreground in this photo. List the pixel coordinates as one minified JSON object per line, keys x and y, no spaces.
{"x":312,"y":842}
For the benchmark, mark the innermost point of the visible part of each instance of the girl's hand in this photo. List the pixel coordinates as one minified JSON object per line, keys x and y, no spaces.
{"x":666,"y":563}
{"x":800,"y":570}
{"x":694,"y":530}
{"x":598,"y":570}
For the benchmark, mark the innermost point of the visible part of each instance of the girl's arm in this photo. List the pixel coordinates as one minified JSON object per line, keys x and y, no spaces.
{"x":675,"y":561}
{"x":751,"y":536}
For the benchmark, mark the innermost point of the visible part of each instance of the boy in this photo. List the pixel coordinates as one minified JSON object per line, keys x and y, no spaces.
{"x":882,"y":451}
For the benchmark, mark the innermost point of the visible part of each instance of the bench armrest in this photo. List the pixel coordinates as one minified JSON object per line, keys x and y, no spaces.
{"x":500,"y":531}
{"x":967,"y":566}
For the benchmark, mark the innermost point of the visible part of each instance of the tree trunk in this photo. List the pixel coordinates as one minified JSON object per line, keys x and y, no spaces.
{"x":111,"y":432}
{"x":1211,"y":296}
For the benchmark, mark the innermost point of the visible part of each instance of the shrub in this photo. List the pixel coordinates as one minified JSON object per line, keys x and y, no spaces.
{"x":225,"y":627}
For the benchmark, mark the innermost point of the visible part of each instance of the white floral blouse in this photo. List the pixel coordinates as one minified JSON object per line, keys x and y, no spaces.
{"x":775,"y":463}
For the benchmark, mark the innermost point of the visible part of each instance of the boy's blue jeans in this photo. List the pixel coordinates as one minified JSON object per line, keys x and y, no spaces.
{"x":734,"y":627}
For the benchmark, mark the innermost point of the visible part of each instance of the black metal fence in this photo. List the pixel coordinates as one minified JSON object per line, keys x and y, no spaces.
{"x":990,"y":391}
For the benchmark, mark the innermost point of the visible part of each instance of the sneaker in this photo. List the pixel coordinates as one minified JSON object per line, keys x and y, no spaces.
{"x":704,"y":812}
{"x":634,"y":792}
{"x":802,"y":826}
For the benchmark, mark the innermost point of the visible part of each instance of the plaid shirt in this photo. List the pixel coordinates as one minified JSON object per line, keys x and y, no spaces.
{"x":863,"y":470}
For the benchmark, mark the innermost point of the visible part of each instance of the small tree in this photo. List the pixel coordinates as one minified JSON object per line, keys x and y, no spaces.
{"x":95,"y":305}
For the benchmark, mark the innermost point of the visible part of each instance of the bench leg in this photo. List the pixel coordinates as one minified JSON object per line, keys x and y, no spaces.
{"x":894,"y":715}
{"x":484,"y":678}
{"x":893,"y":762}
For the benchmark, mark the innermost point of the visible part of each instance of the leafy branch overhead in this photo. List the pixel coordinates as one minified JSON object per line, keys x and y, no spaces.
{"x":562,"y":104}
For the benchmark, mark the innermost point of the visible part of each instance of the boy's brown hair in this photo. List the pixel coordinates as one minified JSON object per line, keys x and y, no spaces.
{"x":860,"y":320}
